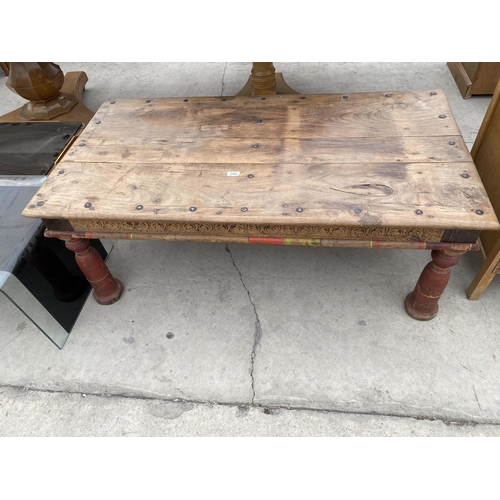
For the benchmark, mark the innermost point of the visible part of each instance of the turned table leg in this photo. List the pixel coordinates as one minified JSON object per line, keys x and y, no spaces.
{"x":107,"y":290}
{"x":422,"y":303}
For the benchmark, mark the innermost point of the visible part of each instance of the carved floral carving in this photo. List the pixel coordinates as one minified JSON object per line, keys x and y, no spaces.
{"x":262,"y":230}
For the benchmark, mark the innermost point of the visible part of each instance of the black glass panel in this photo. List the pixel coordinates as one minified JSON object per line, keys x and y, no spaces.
{"x":50,"y":273}
{"x":30,"y":148}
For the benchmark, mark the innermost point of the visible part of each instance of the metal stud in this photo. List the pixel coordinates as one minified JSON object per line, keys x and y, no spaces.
{"x":388,"y":95}
{"x":60,"y":172}
{"x":250,"y":176}
{"x":192,"y":209}
{"x":442,"y":116}
{"x":465,"y":176}
{"x":40,"y":203}
{"x":139,"y":207}
{"x":87,"y":205}
{"x":433,"y":93}
{"x":112,"y":102}
{"x":255,"y":146}
{"x":185,"y":100}
{"x":97,"y":122}
{"x":148,"y":100}
{"x":419,"y":212}
{"x":300,"y":209}
{"x":357,"y":211}
{"x":244,"y":209}
{"x":479,"y":212}
{"x":451,"y":143}
{"x":259,"y":121}
{"x":345,"y":97}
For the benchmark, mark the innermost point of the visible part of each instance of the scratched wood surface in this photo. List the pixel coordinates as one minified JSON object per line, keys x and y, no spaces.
{"x":394,"y":159}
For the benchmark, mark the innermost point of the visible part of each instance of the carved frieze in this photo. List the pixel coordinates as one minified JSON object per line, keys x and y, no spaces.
{"x":262,"y":230}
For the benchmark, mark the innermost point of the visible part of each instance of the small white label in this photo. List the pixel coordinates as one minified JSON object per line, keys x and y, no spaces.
{"x":233,"y":174}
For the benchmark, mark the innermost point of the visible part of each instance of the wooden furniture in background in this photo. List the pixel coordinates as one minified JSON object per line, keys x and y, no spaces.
{"x":264,"y":80}
{"x":5,"y":68}
{"x":475,"y":78}
{"x":51,"y":94}
{"x":370,"y":170}
{"x":486,"y":155}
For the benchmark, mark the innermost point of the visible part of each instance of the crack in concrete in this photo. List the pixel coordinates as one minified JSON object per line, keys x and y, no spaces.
{"x":12,"y":340}
{"x":258,"y":328}
{"x":268,"y":409}
{"x":223,"y":84}
{"x":475,"y":394}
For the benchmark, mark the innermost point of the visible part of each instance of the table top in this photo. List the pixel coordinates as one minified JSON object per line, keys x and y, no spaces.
{"x":390,"y":160}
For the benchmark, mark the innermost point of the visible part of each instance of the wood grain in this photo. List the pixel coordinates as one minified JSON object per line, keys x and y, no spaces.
{"x":165,"y":122}
{"x":356,"y":194}
{"x":389,"y":160}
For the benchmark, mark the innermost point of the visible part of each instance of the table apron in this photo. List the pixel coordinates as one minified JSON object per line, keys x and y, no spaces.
{"x":315,"y":242}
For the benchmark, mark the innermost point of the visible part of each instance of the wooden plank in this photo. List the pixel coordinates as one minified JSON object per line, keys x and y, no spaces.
{"x":404,"y":126}
{"x":485,"y":77}
{"x":163,"y":122}
{"x":461,"y":78}
{"x":475,"y":78}
{"x":363,"y":194}
{"x":486,"y":273}
{"x":485,"y":124}
{"x":471,"y":69}
{"x":263,"y":151}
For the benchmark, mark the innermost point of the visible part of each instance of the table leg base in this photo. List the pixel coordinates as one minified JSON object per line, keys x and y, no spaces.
{"x":417,"y":314}
{"x":107,"y":300}
{"x":422,"y":303}
{"x":107,"y":289}
{"x":65,"y":107}
{"x":281,"y":88}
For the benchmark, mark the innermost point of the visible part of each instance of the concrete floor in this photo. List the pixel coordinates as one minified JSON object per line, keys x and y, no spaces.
{"x":215,"y":340}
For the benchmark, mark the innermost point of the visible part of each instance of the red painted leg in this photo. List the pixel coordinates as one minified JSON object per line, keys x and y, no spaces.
{"x":422,"y":303}
{"x":107,"y":290}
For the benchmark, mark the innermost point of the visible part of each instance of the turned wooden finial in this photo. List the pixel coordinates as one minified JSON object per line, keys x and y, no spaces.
{"x":40,"y":83}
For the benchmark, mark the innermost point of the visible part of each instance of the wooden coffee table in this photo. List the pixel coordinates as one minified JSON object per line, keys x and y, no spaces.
{"x":373,"y":170}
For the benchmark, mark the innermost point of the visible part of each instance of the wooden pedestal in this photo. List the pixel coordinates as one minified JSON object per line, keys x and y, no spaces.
{"x":51,"y":95}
